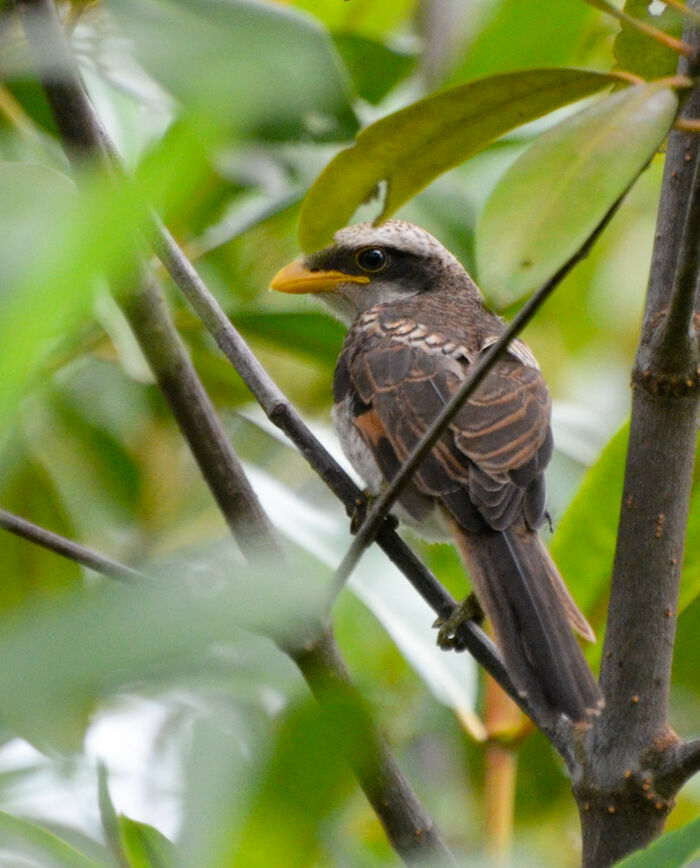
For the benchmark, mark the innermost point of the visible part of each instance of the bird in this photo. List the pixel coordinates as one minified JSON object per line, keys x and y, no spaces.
{"x":417,"y":325}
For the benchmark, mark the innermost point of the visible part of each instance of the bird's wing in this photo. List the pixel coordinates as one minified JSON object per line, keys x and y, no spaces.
{"x":488,"y":464}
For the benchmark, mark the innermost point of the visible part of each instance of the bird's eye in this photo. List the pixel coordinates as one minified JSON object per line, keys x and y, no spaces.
{"x":372,"y":259}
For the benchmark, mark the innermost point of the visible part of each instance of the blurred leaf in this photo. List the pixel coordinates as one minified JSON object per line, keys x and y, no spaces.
{"x":34,"y":842}
{"x":375,"y":17}
{"x":28,"y":571}
{"x":324,"y":534}
{"x":57,"y":660}
{"x":672,"y":850}
{"x":307,"y":776}
{"x":108,"y":813}
{"x":253,"y":68}
{"x":145,"y":846}
{"x":638,"y":53}
{"x":312,"y":334}
{"x":374,"y":66}
{"x":410,"y":148}
{"x":54,"y":266}
{"x":551,"y":198}
{"x":522,"y":34}
{"x":584,"y":544}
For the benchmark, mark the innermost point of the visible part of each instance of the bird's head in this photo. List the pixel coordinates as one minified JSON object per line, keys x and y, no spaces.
{"x":368,"y":265}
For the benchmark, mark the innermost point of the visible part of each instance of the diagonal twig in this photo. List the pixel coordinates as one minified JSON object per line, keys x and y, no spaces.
{"x":66,"y":548}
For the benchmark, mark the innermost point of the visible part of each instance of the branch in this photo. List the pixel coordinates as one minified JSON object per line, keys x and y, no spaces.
{"x":398,"y":807}
{"x":386,"y":500}
{"x":624,"y":796}
{"x":66,"y":548}
{"x":680,"y":763}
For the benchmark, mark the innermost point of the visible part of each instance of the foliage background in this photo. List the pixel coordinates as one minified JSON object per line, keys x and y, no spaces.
{"x":227,"y":114}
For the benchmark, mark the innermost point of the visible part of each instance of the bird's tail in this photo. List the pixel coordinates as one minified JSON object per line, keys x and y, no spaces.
{"x":532,"y":612}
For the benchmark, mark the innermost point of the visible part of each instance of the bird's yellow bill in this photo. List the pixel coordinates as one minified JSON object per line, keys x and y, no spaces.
{"x":297,"y":278}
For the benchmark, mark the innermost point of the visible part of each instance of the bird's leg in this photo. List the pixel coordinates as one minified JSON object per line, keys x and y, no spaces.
{"x":363,"y":505}
{"x":468,"y":610}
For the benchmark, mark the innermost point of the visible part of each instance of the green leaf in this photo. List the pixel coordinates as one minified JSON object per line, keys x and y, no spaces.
{"x":145,"y":846}
{"x":33,"y":841}
{"x":375,"y":68}
{"x":376,"y":18}
{"x":551,"y":198}
{"x":28,"y":571}
{"x":690,"y":585}
{"x":672,"y":850}
{"x":255,"y":69}
{"x":584,"y":544}
{"x":410,"y":148}
{"x":57,"y":660}
{"x":311,"y":334}
{"x":638,"y":53}
{"x":525,"y":34}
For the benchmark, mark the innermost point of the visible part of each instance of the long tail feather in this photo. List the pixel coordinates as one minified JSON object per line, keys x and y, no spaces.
{"x":521,"y":592}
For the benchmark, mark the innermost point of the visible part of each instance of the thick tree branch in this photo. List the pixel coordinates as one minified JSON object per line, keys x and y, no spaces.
{"x":393,"y":801}
{"x":623,"y":794}
{"x":68,"y":549}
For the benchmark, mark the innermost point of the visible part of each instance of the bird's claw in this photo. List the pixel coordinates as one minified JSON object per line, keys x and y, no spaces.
{"x":363,"y":505}
{"x":468,"y":610}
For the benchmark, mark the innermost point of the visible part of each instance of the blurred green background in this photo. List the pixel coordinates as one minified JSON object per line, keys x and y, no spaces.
{"x":226,"y":112}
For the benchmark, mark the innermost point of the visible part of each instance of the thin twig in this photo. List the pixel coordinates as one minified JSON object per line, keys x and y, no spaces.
{"x":66,"y":548}
{"x":384,"y":503}
{"x":655,"y":33}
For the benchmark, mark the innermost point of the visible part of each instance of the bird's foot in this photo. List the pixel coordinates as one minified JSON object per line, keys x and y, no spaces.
{"x":363,"y":505}
{"x":468,"y":610}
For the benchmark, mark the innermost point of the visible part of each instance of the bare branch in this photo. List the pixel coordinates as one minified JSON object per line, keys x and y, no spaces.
{"x":66,"y":548}
{"x":680,"y":763}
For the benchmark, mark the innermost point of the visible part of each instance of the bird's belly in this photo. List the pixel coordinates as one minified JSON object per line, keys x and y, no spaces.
{"x":431,"y":527}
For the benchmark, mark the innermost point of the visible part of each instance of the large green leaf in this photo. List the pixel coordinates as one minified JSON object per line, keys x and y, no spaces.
{"x":673,"y":850}
{"x":253,"y":68}
{"x":551,"y":198}
{"x":410,"y":148}
{"x":57,"y":660}
{"x":584,"y":544}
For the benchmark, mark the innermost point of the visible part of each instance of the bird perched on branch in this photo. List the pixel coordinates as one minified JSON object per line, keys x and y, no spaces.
{"x":417,"y":326}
